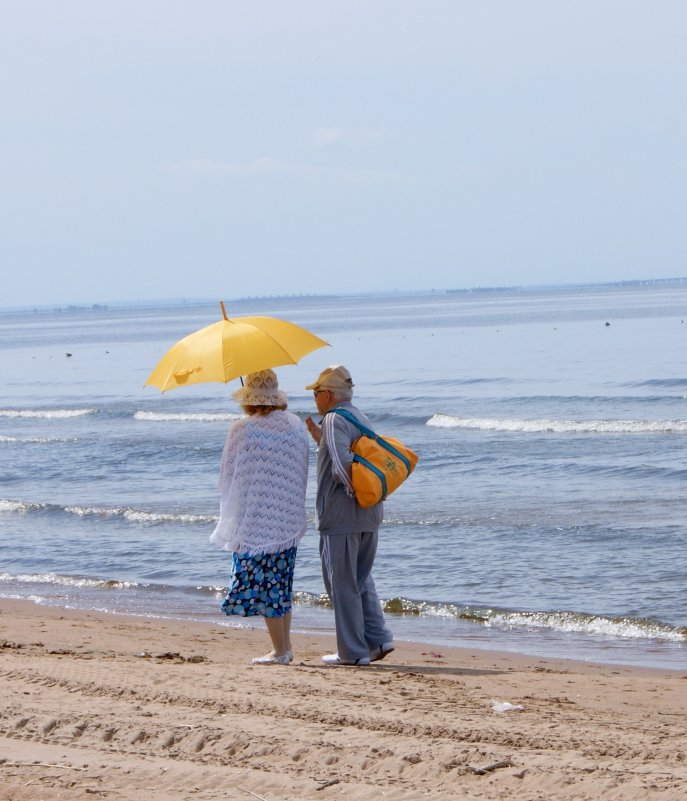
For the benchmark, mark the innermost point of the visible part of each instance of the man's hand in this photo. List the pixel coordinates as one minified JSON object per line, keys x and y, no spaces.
{"x":314,"y":429}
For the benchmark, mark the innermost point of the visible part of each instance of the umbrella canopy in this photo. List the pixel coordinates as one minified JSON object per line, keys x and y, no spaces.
{"x":231,"y":348}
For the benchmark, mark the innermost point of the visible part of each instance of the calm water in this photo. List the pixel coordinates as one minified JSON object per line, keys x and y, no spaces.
{"x":547,"y":514}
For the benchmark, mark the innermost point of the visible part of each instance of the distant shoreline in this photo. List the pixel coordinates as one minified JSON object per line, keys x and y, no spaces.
{"x":75,"y":308}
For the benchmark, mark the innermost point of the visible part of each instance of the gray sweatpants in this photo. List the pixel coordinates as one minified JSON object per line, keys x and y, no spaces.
{"x":347,"y":561}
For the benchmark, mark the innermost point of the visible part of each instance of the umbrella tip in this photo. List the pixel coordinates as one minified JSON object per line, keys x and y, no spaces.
{"x":224,"y":311}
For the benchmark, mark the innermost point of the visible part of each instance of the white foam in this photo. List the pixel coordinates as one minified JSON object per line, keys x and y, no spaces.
{"x":7,"y":505}
{"x":10,"y":596}
{"x":46,"y":413}
{"x":85,"y":511}
{"x":134,"y":516}
{"x":176,"y":417}
{"x":35,"y":440}
{"x":573,"y":622}
{"x":66,"y":581}
{"x":128,"y":514}
{"x":559,"y":426}
{"x":137,"y":515}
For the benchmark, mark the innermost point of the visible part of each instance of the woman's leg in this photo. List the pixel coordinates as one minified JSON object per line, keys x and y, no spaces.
{"x":279,"y":626}
{"x":287,"y":630}
{"x":278,"y":630}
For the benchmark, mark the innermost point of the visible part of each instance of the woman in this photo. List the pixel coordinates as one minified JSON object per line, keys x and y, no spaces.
{"x":263,"y":474}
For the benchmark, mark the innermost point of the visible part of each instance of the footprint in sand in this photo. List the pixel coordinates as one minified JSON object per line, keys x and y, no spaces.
{"x":138,"y":737}
{"x":49,"y":726}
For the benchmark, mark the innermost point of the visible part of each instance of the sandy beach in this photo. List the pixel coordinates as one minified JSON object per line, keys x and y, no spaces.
{"x":99,"y":705}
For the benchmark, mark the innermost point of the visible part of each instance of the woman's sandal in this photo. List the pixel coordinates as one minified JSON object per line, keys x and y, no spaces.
{"x":272,"y":659}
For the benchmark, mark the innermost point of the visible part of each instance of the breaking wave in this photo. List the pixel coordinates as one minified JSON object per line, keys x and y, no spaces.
{"x":34,"y":440}
{"x":559,"y":426}
{"x":580,"y":623}
{"x":603,"y":627}
{"x":559,"y":621}
{"x":125,"y":513}
{"x":137,"y":515}
{"x":49,"y":414}
{"x":20,"y":506}
{"x":68,"y":581}
{"x":184,"y":417}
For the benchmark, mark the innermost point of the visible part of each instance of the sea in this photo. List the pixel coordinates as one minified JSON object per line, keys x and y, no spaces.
{"x":547,"y":515}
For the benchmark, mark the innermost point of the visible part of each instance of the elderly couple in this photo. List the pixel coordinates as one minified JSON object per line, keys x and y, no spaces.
{"x":263,"y":474}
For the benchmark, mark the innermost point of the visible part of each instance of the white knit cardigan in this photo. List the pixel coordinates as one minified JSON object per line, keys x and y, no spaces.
{"x":263,"y":475}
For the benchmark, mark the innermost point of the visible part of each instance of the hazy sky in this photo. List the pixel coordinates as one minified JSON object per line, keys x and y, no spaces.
{"x":164,"y":149}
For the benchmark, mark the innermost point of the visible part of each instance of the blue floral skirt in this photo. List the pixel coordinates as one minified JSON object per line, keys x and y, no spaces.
{"x":261,"y":585}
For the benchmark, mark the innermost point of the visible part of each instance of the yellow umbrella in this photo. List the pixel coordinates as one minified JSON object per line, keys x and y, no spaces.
{"x":232,"y":348}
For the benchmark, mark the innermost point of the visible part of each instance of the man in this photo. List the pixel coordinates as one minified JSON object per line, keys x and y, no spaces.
{"x":348,"y":533}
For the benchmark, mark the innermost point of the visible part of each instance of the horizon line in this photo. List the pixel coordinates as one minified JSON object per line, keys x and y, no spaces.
{"x":161,"y":302}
